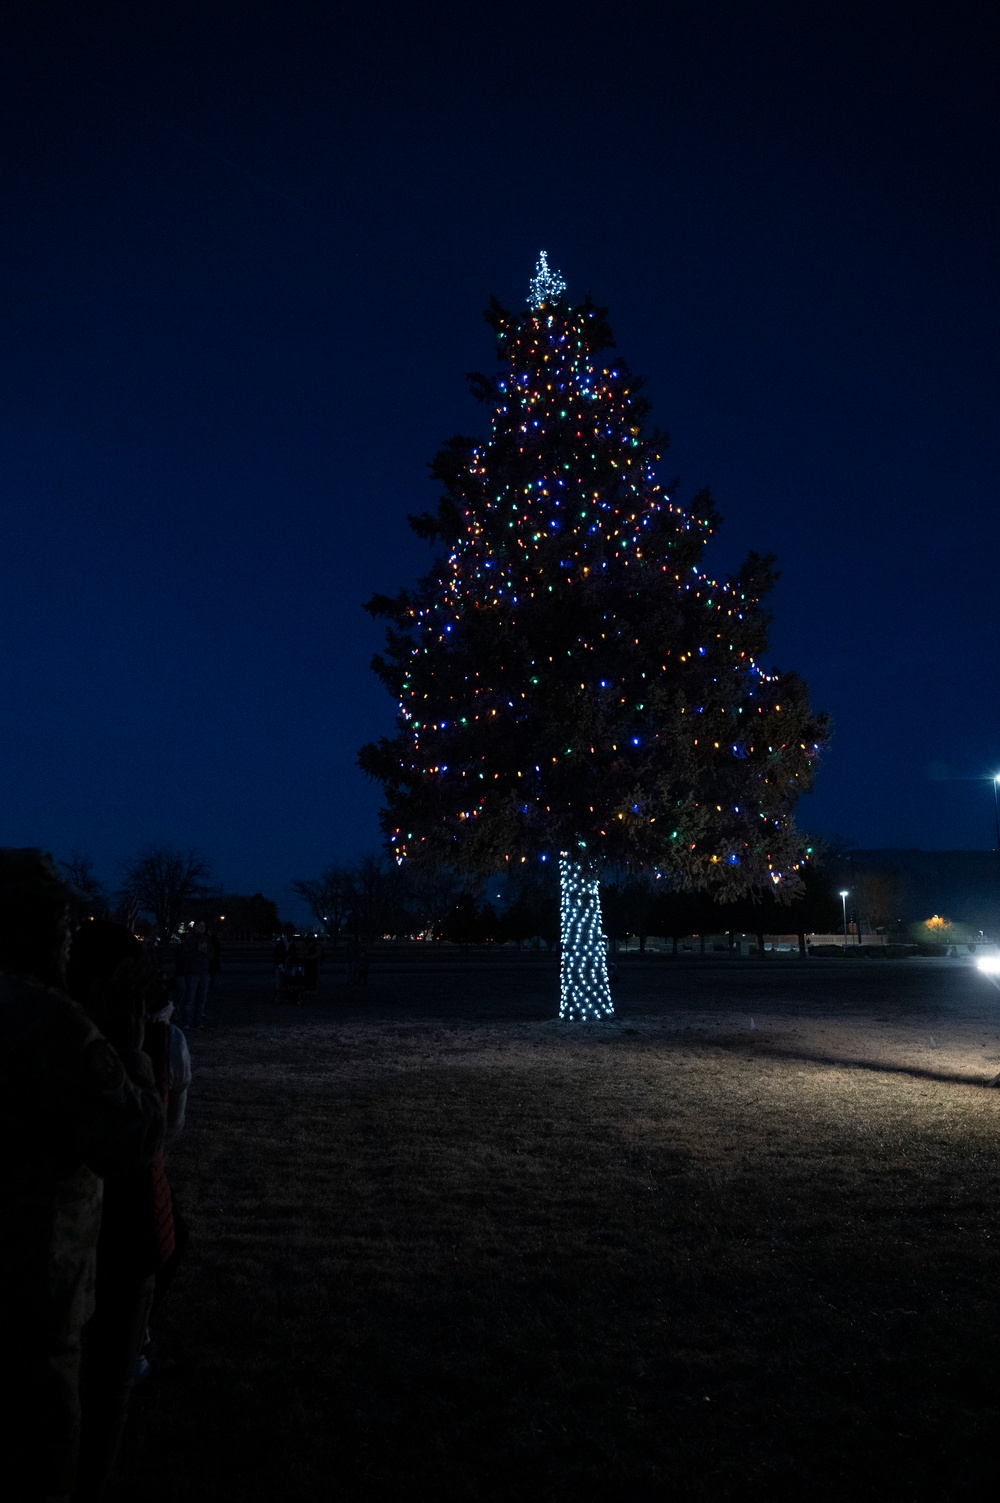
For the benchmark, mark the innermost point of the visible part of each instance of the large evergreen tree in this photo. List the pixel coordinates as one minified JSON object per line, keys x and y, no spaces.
{"x":571,"y":686}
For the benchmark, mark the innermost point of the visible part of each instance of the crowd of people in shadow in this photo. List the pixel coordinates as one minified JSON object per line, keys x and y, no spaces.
{"x":93,"y":1077}
{"x":298,"y":963}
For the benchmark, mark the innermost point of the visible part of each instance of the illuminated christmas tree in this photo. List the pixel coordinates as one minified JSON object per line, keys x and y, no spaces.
{"x":572,"y":687}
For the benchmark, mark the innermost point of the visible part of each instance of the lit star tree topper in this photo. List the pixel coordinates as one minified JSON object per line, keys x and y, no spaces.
{"x":572,"y":687}
{"x":546,"y":285}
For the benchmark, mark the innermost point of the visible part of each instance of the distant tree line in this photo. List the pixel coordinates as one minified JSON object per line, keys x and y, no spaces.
{"x":163,"y":887}
{"x":633,"y":907}
{"x":375,"y":897}
{"x":636,"y":907}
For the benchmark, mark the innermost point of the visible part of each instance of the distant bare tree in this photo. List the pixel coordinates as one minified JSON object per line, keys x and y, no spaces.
{"x":80,"y":872}
{"x":126,"y":911}
{"x":878,"y":895}
{"x":328,"y":898}
{"x":365,"y":898}
{"x":431,"y":890}
{"x":162,"y":880}
{"x":376,"y":896}
{"x":234,"y":915}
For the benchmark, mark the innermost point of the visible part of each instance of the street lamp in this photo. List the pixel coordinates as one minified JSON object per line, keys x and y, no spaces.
{"x":843,"y":899}
{"x":996,"y":808}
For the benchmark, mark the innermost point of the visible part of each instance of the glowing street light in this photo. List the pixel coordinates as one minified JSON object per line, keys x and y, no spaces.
{"x":989,"y":966}
{"x":996,"y":808}
{"x":843,"y":899}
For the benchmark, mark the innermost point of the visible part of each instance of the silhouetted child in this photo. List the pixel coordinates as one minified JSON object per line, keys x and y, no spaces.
{"x":293,"y":975}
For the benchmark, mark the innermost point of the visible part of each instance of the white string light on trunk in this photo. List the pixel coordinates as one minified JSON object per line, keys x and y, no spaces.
{"x":584,"y":990}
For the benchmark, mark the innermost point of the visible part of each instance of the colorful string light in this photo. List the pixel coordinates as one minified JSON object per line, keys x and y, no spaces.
{"x":568,"y":678}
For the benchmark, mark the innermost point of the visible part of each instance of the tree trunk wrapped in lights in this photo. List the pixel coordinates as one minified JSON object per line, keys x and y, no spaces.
{"x":584,"y":990}
{"x":567,"y":677}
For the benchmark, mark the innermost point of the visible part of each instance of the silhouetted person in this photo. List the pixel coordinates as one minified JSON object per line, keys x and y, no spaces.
{"x":214,"y":961}
{"x":111,"y":977}
{"x":194,"y":976}
{"x":293,"y":975}
{"x":182,"y":961}
{"x":312,"y":960}
{"x":357,"y":963}
{"x":282,"y":945}
{"x":72,"y":1110}
{"x":167,"y":1049}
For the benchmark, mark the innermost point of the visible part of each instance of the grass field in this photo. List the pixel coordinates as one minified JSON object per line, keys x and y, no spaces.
{"x":743,"y":1242}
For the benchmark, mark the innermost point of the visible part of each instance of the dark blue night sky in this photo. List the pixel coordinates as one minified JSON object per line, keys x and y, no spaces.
{"x":244,"y":254}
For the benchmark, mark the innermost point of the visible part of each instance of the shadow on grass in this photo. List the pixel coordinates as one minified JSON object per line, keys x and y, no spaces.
{"x":838,"y":1062}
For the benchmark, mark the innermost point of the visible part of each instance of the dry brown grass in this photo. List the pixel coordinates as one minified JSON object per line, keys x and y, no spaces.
{"x":485,"y":1257}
